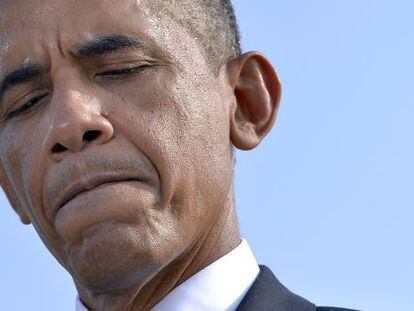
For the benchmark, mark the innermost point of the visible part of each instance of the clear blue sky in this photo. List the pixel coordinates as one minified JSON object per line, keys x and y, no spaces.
{"x":327,"y":200}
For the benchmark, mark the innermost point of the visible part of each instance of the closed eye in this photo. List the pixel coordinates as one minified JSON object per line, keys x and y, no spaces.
{"x":125,"y":72}
{"x":25,"y":107}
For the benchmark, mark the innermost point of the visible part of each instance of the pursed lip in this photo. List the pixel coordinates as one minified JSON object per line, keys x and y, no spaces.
{"x":86,"y":184}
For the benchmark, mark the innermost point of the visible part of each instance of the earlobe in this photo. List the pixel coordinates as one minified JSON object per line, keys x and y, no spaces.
{"x":11,"y":196}
{"x":257,"y":93}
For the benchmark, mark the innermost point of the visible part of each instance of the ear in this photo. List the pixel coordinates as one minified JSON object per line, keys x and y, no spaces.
{"x":11,"y":196}
{"x":257,"y":93}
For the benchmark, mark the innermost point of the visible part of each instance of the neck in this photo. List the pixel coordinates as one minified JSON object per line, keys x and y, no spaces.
{"x":222,"y":237}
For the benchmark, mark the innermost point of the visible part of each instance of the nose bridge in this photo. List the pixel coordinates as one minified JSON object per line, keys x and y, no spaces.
{"x":72,"y":105}
{"x":75,"y":119}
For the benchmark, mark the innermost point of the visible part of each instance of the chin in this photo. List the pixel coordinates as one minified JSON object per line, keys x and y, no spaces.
{"x":113,"y":257}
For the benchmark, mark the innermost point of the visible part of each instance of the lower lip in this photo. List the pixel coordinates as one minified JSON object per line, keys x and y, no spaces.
{"x":114,"y":201}
{"x":100,"y":187}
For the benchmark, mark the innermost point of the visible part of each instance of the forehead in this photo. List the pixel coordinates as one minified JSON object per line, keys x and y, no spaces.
{"x":31,"y":29}
{"x":20,"y":13}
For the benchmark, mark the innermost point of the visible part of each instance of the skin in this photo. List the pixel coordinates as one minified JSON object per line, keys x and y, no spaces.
{"x":161,"y":135}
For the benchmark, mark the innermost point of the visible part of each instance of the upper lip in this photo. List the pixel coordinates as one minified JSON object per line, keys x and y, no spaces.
{"x":85,"y":184}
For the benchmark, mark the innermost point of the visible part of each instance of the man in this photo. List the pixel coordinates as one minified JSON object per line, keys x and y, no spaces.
{"x":118,"y":125}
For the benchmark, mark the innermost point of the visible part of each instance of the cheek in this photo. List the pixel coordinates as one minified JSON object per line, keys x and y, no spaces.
{"x":181,"y":125}
{"x":14,"y":157}
{"x":22,"y":157}
{"x":21,"y":153}
{"x":180,"y":122}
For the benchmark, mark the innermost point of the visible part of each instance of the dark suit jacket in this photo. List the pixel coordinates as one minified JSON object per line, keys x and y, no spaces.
{"x":268,"y":294}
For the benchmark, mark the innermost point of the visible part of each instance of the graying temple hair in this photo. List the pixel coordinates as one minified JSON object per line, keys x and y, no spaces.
{"x":221,"y":35}
{"x":212,"y":22}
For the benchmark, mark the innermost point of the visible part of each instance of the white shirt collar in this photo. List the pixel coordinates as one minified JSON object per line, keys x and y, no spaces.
{"x":219,"y":286}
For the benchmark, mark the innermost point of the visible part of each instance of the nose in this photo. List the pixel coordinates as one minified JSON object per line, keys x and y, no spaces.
{"x":75,"y":121}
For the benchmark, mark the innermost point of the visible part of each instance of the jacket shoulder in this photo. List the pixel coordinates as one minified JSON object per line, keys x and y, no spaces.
{"x":268,"y":294}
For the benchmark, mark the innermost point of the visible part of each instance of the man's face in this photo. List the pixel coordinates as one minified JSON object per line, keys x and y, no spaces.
{"x":114,"y":135}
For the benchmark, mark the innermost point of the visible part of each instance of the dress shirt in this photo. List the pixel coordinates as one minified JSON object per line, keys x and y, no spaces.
{"x":218,"y":287}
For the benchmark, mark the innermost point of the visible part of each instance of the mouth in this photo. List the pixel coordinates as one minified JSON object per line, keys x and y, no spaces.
{"x":85,"y":186}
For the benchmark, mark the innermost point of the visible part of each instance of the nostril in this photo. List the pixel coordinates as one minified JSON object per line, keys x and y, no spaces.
{"x":91,"y":135}
{"x":58,"y":148}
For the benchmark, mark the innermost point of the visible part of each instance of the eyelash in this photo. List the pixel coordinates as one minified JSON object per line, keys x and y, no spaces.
{"x":25,"y":107}
{"x":118,"y":73}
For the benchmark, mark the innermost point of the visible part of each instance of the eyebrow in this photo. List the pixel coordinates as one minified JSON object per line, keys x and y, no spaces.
{"x":110,"y":44}
{"x":25,"y":73}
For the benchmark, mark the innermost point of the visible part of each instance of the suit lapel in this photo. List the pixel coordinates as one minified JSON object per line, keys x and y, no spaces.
{"x":267,"y":293}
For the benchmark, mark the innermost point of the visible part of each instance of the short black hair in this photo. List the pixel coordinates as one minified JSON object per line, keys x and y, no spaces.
{"x":212,"y":22}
